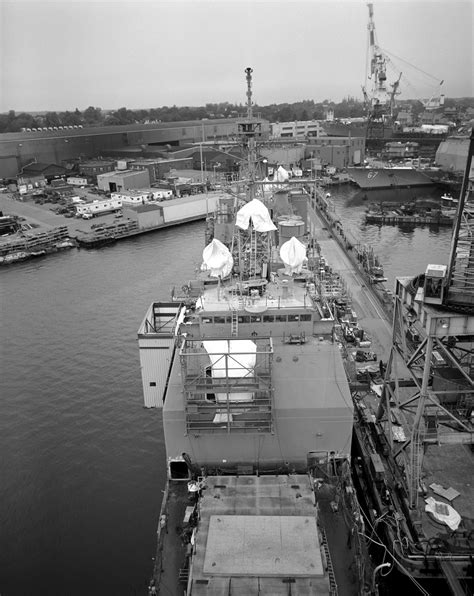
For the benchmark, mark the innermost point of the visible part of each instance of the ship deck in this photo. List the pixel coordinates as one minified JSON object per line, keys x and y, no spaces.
{"x":283,"y":292}
{"x":255,"y":536}
{"x":255,"y":532}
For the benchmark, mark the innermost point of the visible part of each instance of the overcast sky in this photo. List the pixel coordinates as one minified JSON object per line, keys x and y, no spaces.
{"x":63,"y":55}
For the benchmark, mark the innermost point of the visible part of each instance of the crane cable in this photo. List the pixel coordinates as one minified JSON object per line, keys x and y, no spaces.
{"x":413,"y":66}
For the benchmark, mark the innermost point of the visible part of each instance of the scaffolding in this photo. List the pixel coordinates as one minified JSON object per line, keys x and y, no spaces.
{"x":438,"y":409}
{"x":219,"y":399}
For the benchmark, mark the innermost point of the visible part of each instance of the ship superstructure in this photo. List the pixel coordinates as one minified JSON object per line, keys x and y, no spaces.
{"x":257,"y":412}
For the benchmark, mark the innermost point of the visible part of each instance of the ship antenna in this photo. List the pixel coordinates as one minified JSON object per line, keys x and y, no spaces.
{"x":248,"y":130}
{"x":248,"y":72}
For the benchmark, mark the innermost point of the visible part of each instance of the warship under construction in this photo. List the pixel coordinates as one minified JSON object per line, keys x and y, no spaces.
{"x":256,"y":408}
{"x":294,"y":466}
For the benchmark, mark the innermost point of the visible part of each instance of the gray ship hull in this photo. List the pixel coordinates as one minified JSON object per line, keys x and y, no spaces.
{"x":375,"y":178}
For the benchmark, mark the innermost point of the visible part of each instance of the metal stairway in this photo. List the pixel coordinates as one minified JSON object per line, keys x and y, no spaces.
{"x":253,"y":253}
{"x":235,"y":309}
{"x":416,"y":461}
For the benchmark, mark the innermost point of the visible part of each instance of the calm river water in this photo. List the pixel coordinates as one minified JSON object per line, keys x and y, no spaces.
{"x":81,"y":461}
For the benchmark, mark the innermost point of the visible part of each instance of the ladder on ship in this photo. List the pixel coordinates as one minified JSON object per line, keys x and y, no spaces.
{"x":253,"y":253}
{"x":333,"y":591}
{"x":234,"y":325}
{"x":234,"y":329}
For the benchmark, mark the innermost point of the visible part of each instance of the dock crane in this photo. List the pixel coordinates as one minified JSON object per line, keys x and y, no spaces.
{"x":380,"y":100}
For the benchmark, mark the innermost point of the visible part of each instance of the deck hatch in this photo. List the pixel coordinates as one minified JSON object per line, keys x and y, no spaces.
{"x":263,"y":545}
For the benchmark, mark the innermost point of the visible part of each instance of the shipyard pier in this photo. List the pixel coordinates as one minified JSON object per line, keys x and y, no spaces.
{"x":413,"y":441}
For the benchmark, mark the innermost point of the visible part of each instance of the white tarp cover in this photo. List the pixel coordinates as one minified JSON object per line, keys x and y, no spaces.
{"x":281,"y":175}
{"x":256,"y":211}
{"x":293,"y":254}
{"x":443,"y":513}
{"x":234,"y":358}
{"x":217,"y":259}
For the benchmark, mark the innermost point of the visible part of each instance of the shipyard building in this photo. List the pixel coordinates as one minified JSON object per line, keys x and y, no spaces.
{"x":452,"y":154}
{"x":123,"y":180}
{"x":19,"y":149}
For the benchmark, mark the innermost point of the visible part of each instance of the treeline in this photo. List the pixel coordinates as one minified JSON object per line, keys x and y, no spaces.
{"x":92,"y":116}
{"x":349,"y":107}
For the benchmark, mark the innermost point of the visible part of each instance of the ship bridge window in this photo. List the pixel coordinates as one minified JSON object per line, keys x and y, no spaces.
{"x":244,"y":319}
{"x":268,"y":318}
{"x":219,"y":320}
{"x":292,"y":318}
{"x":255,"y":319}
{"x":206,"y":320}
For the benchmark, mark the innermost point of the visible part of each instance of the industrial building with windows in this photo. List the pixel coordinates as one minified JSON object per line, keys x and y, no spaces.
{"x":296,"y":129}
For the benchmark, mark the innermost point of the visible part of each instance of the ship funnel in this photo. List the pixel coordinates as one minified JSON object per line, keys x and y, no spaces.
{"x":290,"y":226}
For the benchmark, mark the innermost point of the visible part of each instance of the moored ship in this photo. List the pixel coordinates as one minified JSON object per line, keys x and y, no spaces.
{"x":380,"y":178}
{"x":256,"y":408}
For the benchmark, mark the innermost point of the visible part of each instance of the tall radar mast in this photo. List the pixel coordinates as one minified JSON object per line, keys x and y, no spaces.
{"x":249,"y":130}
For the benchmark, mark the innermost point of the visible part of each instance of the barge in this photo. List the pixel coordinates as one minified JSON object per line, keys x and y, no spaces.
{"x":396,"y":219}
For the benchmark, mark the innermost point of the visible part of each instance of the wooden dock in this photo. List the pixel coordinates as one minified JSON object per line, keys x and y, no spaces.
{"x":107,"y":234}
{"x":34,"y":243}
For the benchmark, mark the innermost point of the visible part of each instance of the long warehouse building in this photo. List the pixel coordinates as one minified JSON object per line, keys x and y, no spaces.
{"x":19,"y":149}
